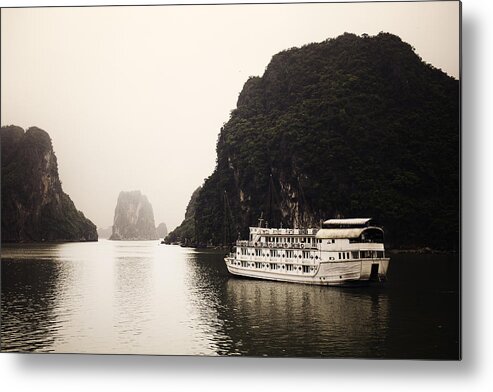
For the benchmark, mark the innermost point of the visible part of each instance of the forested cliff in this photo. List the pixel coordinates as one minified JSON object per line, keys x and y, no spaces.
{"x":185,"y":233}
{"x":351,"y":127}
{"x":34,"y":206}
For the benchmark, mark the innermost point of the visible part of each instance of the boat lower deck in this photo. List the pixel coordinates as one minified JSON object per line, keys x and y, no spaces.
{"x":323,"y":273}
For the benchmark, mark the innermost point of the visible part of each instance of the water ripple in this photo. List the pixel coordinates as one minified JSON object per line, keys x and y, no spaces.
{"x":141,"y":297}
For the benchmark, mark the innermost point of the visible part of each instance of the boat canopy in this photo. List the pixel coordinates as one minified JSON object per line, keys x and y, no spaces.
{"x":347,"y":222}
{"x":351,"y":233}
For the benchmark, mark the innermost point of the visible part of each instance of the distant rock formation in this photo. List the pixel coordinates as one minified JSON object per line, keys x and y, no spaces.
{"x":162,"y":230}
{"x":134,"y":218}
{"x":34,"y":206}
{"x":105,"y":232}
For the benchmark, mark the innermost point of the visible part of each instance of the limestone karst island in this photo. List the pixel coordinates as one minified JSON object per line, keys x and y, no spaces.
{"x":34,"y":206}
{"x":134,"y":218}
{"x":351,"y":126}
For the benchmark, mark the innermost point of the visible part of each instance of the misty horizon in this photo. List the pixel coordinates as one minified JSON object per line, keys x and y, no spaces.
{"x":137,"y":101}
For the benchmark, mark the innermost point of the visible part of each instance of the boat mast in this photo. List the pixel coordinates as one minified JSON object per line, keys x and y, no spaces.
{"x":261,"y":219}
{"x":227,"y":220}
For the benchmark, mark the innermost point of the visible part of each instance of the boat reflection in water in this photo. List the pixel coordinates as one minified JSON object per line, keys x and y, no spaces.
{"x":145,"y":298}
{"x":279,"y":319}
{"x":264,"y":318}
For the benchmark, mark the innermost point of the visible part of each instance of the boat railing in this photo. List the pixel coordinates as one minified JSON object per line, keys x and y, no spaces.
{"x":278,"y":259}
{"x":279,"y":231}
{"x":242,"y":243}
{"x":277,"y":245}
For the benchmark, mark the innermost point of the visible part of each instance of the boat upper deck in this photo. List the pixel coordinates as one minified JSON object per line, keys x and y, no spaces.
{"x":283,"y":232}
{"x":263,"y":237}
{"x":277,"y":245}
{"x":333,"y":231}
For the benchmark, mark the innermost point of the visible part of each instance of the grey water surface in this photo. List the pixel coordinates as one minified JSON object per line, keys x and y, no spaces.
{"x":141,"y":297}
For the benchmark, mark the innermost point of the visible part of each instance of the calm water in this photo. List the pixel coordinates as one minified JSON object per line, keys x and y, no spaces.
{"x":145,"y":298}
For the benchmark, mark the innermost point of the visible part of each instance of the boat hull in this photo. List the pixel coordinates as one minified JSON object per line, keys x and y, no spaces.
{"x":343,"y":273}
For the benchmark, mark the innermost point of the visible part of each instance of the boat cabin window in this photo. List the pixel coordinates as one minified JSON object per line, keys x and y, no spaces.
{"x":370,"y":235}
{"x":371,"y":254}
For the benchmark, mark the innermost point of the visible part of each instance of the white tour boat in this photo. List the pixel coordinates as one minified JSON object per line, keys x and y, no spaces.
{"x":342,"y":252}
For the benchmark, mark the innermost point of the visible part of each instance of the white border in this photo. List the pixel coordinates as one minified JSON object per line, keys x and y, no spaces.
{"x":37,"y":372}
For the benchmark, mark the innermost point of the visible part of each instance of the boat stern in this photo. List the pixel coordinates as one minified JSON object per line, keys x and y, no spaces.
{"x":374,"y":269}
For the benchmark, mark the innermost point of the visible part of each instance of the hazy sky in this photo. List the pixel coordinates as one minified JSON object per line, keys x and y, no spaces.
{"x":134,"y":97}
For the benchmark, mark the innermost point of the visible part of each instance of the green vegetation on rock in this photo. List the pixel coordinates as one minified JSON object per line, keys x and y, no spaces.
{"x":352,"y":127}
{"x":34,"y":206}
{"x":185,"y":233}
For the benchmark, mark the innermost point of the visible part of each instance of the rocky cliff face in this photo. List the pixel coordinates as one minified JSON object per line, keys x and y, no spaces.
{"x":134,"y":218}
{"x":185,"y":233}
{"x":162,"y":230}
{"x":352,"y":126}
{"x":34,"y":206}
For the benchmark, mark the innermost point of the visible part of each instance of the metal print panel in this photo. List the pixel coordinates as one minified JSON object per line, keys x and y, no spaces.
{"x":274,"y":180}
